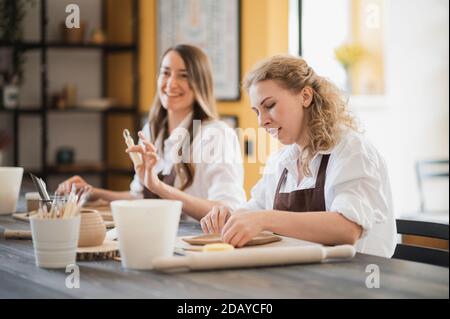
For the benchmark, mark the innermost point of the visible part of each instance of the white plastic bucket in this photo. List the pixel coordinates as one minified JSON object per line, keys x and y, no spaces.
{"x":55,"y":241}
{"x":146,"y":228}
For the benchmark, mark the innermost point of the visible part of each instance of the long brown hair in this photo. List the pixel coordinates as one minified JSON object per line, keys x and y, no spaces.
{"x":204,"y":108}
{"x":328,"y":111}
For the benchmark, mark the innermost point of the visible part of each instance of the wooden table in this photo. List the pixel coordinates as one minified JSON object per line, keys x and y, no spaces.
{"x":20,"y":278}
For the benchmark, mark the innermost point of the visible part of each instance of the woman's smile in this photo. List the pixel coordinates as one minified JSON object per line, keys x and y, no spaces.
{"x":274,"y":131}
{"x":173,"y":95}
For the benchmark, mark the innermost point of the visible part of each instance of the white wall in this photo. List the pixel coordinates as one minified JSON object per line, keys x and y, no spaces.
{"x":414,"y":124}
{"x":411,"y":122}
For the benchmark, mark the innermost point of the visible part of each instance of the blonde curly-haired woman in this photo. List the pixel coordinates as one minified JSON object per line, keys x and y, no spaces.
{"x":328,"y":185}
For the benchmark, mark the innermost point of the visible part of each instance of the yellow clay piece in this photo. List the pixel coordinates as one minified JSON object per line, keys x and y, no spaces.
{"x":217,"y":247}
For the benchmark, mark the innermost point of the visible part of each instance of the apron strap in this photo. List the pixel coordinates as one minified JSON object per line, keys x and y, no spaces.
{"x":320,"y":180}
{"x":169,"y":179}
{"x":281,"y":181}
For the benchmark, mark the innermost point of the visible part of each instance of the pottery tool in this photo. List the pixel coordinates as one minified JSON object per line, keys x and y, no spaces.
{"x":14,"y":234}
{"x":135,"y":157}
{"x":41,"y":188}
{"x":261,"y":257}
{"x":261,"y":239}
{"x":62,"y":207}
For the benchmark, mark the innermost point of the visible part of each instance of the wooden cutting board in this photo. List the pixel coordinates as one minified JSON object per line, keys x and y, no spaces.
{"x":25,"y":217}
{"x":108,"y":250}
{"x":261,"y":239}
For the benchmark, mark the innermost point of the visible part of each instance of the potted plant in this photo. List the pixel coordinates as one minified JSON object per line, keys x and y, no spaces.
{"x":12,"y":14}
{"x":348,"y":54}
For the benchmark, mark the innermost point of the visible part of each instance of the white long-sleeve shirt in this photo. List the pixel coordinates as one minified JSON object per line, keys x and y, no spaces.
{"x":217,"y":158}
{"x":356,"y":186}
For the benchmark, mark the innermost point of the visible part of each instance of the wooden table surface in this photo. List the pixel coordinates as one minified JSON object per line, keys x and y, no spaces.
{"x":20,"y":278}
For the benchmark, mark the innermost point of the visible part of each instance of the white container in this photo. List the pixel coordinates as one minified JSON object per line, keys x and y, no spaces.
{"x":55,"y":241}
{"x":10,"y":181}
{"x":32,"y":199}
{"x":146,"y":228}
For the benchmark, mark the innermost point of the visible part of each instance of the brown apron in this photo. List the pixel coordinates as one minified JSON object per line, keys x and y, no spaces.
{"x":304,"y":200}
{"x":167,"y":179}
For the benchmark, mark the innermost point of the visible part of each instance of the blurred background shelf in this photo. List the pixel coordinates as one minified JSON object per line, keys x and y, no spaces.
{"x":75,"y":109}
{"x":87,"y":168}
{"x":113,"y":47}
{"x":100,"y":73}
{"x":80,"y":169}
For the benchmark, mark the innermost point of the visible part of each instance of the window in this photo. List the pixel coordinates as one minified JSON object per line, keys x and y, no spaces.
{"x":349,"y":29}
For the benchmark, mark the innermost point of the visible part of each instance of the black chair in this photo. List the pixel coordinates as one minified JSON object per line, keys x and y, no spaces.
{"x":427,"y":170}
{"x":426,"y":255}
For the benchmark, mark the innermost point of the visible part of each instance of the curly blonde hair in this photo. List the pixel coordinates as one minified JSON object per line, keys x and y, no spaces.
{"x":328,"y":113}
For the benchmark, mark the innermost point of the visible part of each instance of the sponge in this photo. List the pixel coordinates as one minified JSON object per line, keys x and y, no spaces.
{"x":217,"y":247}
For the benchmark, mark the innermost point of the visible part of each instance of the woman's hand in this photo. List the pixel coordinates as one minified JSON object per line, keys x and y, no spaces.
{"x":66,"y":186}
{"x":146,"y":172}
{"x":242,"y":226}
{"x":216,"y":218}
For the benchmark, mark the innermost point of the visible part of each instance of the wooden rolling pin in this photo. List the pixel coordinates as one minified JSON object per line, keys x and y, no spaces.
{"x":14,"y":234}
{"x":268,"y":256}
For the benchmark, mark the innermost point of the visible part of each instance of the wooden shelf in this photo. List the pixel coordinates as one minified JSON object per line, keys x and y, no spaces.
{"x":87,"y":168}
{"x":35,"y":45}
{"x":74,"y":168}
{"x":88,"y":46}
{"x":28,"y":45}
{"x":45,"y":46}
{"x":115,"y":109}
{"x":120,"y":171}
{"x":22,"y":110}
{"x":37,"y":110}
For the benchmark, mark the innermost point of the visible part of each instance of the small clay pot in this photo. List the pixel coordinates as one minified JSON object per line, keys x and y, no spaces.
{"x":73,"y":35}
{"x":92,"y":228}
